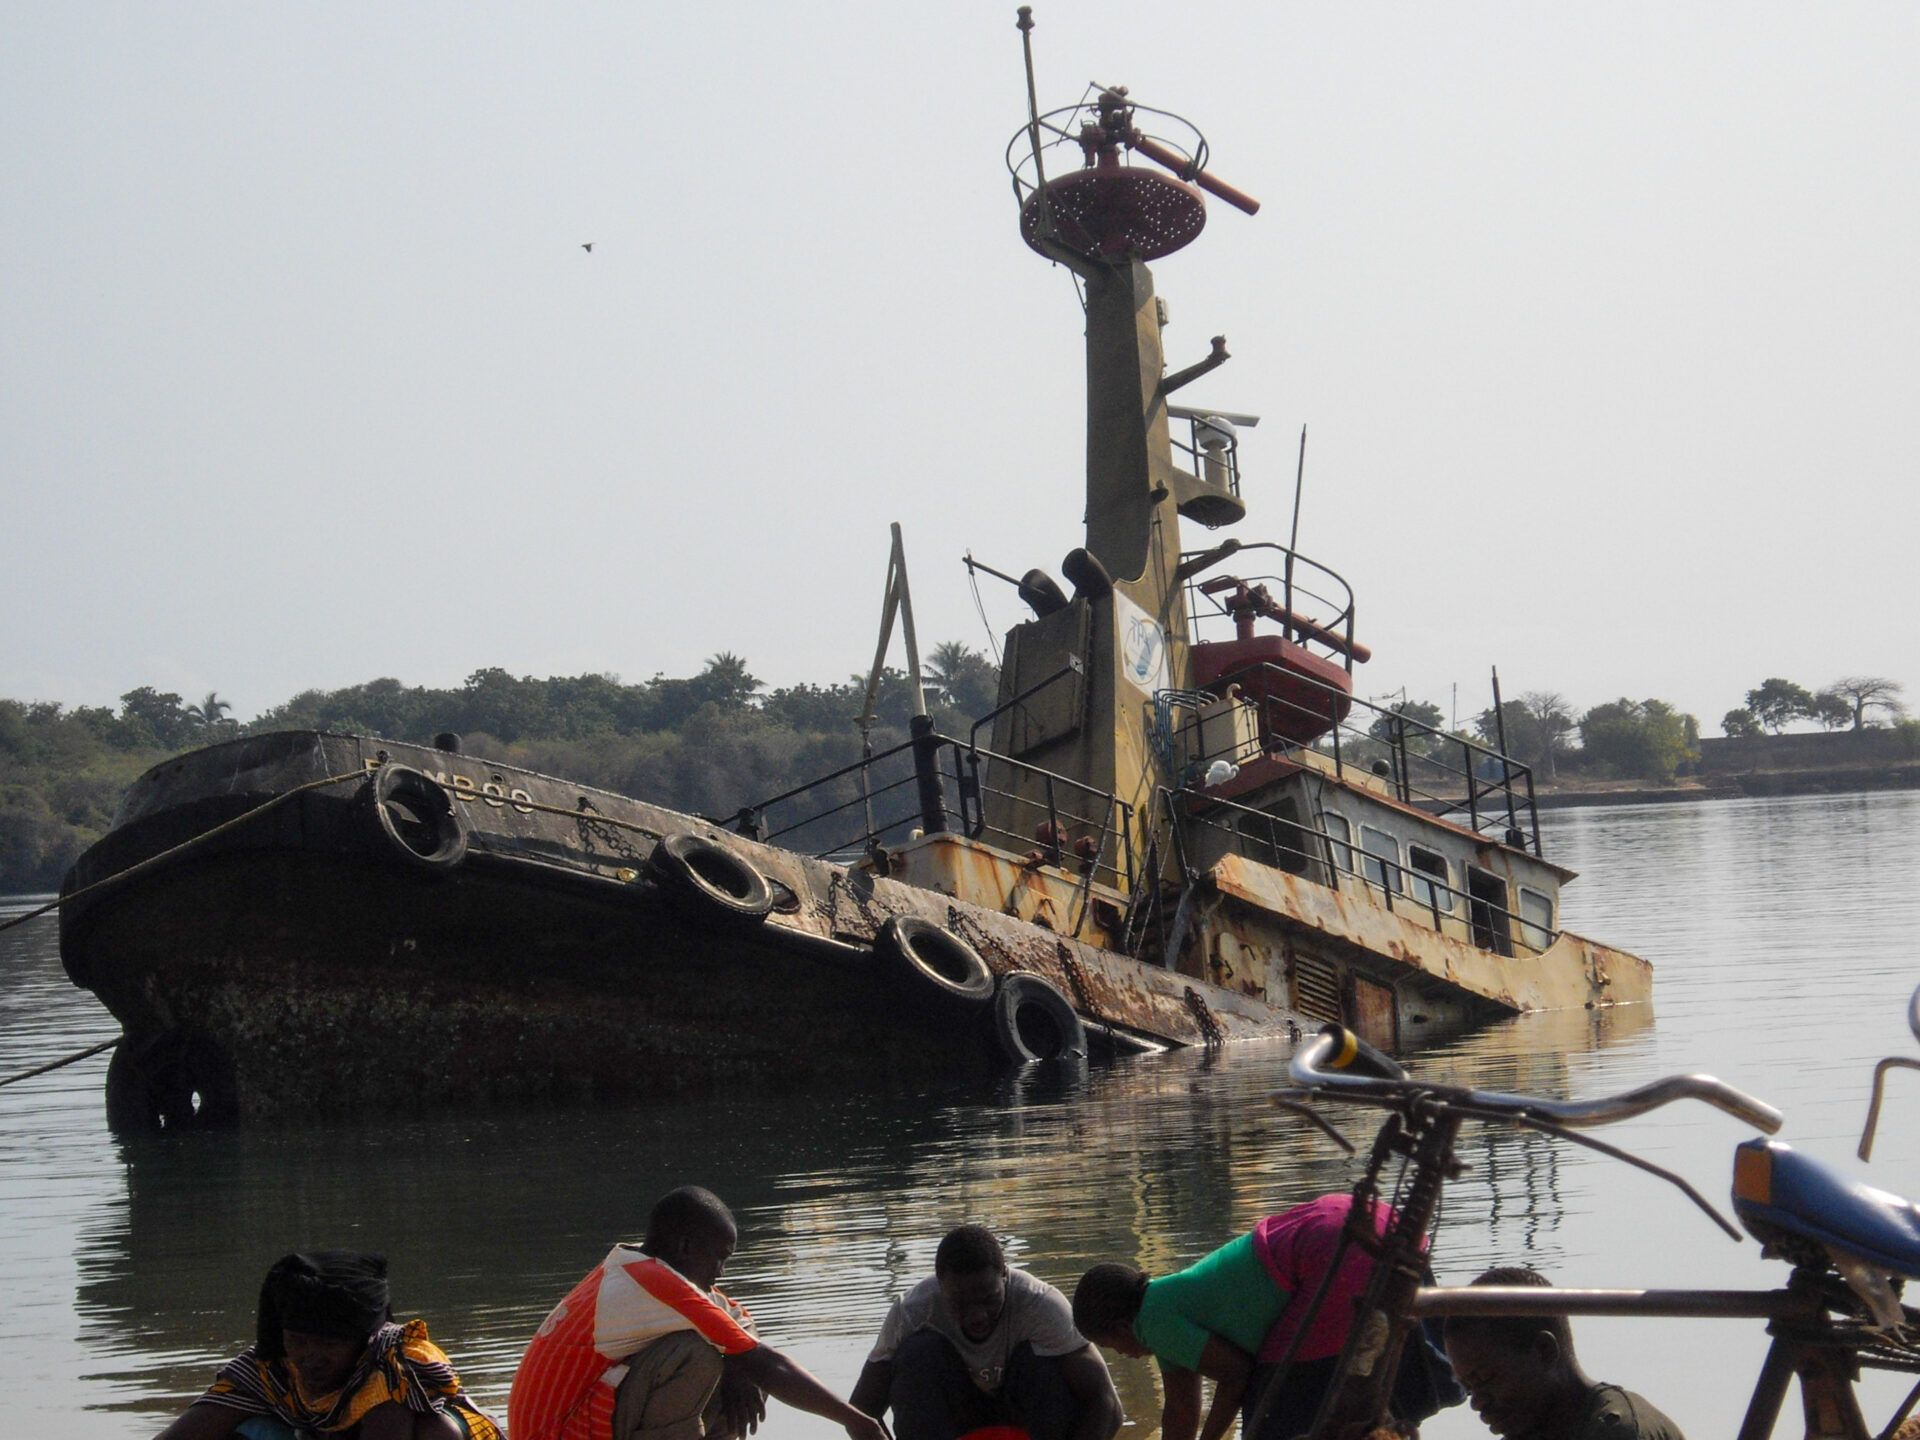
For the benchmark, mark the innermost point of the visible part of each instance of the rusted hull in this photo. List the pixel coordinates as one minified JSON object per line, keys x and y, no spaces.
{"x":298,"y":963}
{"x":1271,"y":933}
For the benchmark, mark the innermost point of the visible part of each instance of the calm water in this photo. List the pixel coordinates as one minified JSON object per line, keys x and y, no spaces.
{"x":1783,"y":932}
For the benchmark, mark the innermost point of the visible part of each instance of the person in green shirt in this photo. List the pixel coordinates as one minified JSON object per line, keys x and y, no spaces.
{"x":1525,"y":1382}
{"x":1232,"y":1318}
{"x":1207,"y":1320}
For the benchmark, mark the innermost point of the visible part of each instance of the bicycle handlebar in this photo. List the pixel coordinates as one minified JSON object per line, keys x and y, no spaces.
{"x":1344,"y":1066}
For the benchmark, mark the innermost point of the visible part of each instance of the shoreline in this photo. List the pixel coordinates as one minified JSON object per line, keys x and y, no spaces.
{"x":1836,"y":780}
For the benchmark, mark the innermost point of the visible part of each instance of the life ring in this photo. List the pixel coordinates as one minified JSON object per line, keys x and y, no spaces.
{"x":712,"y":875}
{"x":934,"y":961}
{"x":416,"y":817}
{"x":1033,"y":1021}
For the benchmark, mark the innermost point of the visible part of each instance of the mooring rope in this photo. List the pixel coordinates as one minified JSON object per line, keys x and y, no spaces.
{"x":185,"y":845}
{"x":57,"y":1064}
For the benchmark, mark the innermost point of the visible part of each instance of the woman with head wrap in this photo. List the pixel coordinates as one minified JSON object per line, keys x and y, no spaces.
{"x":328,"y":1359}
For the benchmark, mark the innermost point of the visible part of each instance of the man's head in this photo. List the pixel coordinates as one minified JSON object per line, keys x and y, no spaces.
{"x":971,"y":1270}
{"x":1516,"y":1368}
{"x":693,"y":1231}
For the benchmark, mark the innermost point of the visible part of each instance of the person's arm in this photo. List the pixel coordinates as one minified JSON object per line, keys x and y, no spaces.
{"x":743,"y":1403}
{"x":1228,"y":1366}
{"x":204,"y":1422}
{"x":1089,"y":1383}
{"x":788,"y":1383}
{"x":874,"y":1388}
{"x":1179,"y":1402}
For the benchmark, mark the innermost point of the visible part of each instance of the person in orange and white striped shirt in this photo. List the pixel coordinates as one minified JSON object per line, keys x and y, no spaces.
{"x":645,"y":1348}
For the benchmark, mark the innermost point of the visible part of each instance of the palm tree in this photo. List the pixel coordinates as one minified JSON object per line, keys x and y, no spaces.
{"x":961,"y":677}
{"x":210,"y":713}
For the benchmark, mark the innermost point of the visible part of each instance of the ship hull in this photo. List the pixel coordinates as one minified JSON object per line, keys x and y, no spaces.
{"x":299,"y":962}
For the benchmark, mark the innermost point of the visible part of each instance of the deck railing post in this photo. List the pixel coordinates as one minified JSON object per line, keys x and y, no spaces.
{"x":1053,"y":822}
{"x":926,"y":771}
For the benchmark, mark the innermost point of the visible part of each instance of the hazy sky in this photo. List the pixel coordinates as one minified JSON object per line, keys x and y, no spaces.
{"x":1603,"y":320}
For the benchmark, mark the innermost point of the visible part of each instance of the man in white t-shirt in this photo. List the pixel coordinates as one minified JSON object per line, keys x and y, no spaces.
{"x":980,"y":1344}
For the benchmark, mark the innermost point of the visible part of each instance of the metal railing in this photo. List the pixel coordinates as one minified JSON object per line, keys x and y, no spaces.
{"x":875,"y":802}
{"x":1446,"y":775}
{"x":1318,"y":601}
{"x":1215,"y":464}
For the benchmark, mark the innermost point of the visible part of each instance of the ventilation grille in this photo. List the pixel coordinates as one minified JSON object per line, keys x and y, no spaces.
{"x":1316,"y":990}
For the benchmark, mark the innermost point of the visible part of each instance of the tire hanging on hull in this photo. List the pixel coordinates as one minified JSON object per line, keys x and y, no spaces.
{"x":1034,"y":1021}
{"x":415,"y":817}
{"x":169,"y":1082}
{"x":712,"y":877}
{"x":933,"y":964}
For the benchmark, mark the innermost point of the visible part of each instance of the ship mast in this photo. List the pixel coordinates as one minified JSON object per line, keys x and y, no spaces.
{"x":1127,"y":624}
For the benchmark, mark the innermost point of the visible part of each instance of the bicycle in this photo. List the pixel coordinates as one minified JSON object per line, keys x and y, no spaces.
{"x":1848,"y":1245}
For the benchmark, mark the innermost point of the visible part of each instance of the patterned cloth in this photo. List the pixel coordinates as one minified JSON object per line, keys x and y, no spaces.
{"x":569,"y":1378}
{"x":400,"y":1364}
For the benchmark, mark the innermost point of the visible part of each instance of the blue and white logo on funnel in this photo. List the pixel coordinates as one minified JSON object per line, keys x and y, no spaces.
{"x":1143,"y":646}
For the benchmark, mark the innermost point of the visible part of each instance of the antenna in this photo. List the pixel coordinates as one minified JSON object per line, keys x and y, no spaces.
{"x":1044,"y":229}
{"x":1293,"y":537}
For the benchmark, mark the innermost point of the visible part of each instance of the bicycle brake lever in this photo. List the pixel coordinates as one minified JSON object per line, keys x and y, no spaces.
{"x":1308,"y":1113}
{"x":1892,"y":1062}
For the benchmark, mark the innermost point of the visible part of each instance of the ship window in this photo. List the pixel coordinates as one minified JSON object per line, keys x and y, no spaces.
{"x":1536,"y":919}
{"x":1339,"y":840}
{"x":1274,"y":837}
{"x":1380,"y":858}
{"x":1487,"y":911}
{"x":1427,"y":879}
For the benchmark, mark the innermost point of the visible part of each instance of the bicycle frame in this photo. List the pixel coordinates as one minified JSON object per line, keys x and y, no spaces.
{"x":1822,"y":1333}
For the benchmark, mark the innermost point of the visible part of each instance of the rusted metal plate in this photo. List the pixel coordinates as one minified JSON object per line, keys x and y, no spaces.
{"x":1376,"y":1018}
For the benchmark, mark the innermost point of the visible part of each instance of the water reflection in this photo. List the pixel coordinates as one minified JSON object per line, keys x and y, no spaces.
{"x":491,"y":1219}
{"x":1780,"y":929}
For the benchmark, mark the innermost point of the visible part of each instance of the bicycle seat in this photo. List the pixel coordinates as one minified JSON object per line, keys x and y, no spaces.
{"x":1777,"y":1190}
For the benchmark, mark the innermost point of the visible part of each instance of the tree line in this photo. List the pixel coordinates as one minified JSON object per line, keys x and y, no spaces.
{"x":1651,"y":740}
{"x":1620,"y":740}
{"x":713,"y":741}
{"x":1853,"y":702}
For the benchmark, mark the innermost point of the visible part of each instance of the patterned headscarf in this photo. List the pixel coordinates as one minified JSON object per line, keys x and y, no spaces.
{"x":341,"y":1294}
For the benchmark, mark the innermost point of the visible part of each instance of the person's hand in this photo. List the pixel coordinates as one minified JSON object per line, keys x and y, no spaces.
{"x":743,"y":1403}
{"x":865,"y":1427}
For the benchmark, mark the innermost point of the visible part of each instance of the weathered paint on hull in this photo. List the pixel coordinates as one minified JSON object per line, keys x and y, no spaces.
{"x":1573,"y":972}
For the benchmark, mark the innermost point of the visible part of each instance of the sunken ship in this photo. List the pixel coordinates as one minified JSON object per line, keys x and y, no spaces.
{"x":1179,"y":825}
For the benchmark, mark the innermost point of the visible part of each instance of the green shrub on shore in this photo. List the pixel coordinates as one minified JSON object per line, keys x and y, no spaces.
{"x":62,"y":773}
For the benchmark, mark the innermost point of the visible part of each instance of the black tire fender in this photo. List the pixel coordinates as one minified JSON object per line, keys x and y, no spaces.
{"x":712,"y":875}
{"x":931,"y":959}
{"x":1033,"y":1021}
{"x":169,"y":1082}
{"x":416,"y":818}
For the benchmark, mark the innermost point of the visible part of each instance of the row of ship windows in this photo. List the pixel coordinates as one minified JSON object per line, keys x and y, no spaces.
{"x":1425,"y":876}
